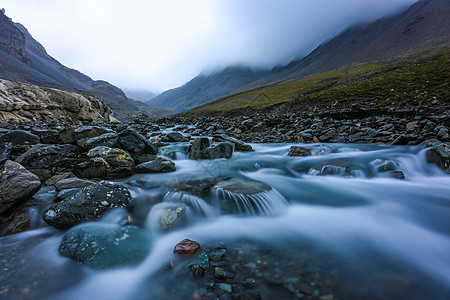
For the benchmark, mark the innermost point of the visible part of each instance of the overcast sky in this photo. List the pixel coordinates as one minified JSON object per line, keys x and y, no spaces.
{"x":160,"y":44}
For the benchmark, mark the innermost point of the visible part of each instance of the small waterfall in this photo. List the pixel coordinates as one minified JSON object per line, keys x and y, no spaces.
{"x":249,"y":198}
{"x":196,"y":204}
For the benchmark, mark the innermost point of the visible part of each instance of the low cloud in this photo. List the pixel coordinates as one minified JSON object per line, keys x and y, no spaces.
{"x":161,"y":44}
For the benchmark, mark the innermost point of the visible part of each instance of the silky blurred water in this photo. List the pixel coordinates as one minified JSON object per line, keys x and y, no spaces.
{"x":379,"y":229}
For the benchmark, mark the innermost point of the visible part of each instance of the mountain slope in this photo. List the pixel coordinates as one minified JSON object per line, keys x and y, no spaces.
{"x":424,"y":25}
{"x":23,"y":59}
{"x":205,"y":88}
{"x":395,"y":61}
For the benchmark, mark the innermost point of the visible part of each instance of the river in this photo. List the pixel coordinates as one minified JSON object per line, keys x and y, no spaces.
{"x":345,"y":210}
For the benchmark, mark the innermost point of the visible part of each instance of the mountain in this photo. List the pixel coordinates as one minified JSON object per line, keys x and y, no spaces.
{"x":401,"y":60}
{"x":23,"y":59}
{"x":206,"y":87}
{"x":424,"y":25}
{"x":140,"y":95}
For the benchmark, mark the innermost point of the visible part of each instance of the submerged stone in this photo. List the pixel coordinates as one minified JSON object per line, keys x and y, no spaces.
{"x":171,"y":217}
{"x":199,"y":265}
{"x":88,"y":204}
{"x":103,"y":246}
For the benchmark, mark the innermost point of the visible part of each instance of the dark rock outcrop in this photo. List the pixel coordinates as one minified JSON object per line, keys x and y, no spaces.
{"x":89,"y":204}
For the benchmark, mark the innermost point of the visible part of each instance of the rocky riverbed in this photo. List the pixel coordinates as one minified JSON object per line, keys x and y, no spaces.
{"x":104,"y":186}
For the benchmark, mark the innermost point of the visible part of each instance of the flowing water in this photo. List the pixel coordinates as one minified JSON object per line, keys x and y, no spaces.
{"x":377,"y":218}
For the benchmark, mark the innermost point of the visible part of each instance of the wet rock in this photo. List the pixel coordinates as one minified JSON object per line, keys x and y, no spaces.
{"x":199,"y":265}
{"x":116,"y":158}
{"x":176,"y":137}
{"x":222,"y":150}
{"x":48,"y":136}
{"x":43,"y":174}
{"x":438,"y":154}
{"x":243,"y":187}
{"x":107,"y":140}
{"x":142,"y":158}
{"x":238,"y":145}
{"x":197,"y":146}
{"x":328,"y":135}
{"x":19,"y":137}
{"x":387,"y":166}
{"x":20,"y":223}
{"x":186,"y":248}
{"x":171,"y":217}
{"x":88,"y":204}
{"x":64,"y":194}
{"x":334,"y":167}
{"x":397,"y":174}
{"x":83,"y":134}
{"x":5,"y":154}
{"x":104,"y":246}
{"x":96,"y":167}
{"x":159,"y":165}
{"x":120,"y":173}
{"x":47,"y":156}
{"x":72,"y":182}
{"x":58,"y":177}
{"x":299,"y":151}
{"x":131,"y":141}
{"x":67,"y":135}
{"x":17,"y":185}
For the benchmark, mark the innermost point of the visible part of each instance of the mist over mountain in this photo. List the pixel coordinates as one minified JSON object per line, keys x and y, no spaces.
{"x":424,"y":25}
{"x":207,"y":87}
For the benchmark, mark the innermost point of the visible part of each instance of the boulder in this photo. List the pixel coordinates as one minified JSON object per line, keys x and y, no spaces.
{"x":116,"y":158}
{"x":89,"y":204}
{"x":103,"y":246}
{"x":159,"y":165}
{"x":438,"y":153}
{"x":176,"y":137}
{"x":58,"y":177}
{"x":238,"y":145}
{"x":17,"y":185}
{"x":5,"y":154}
{"x":120,"y":173}
{"x":222,"y":150}
{"x":197,"y":146}
{"x":73,"y":182}
{"x":187,"y":248}
{"x":67,"y":135}
{"x":131,"y":141}
{"x":83,"y":134}
{"x":48,"y":136}
{"x":20,"y":137}
{"x":299,"y":151}
{"x":96,"y":167}
{"x":20,"y":223}
{"x":47,"y":156}
{"x":64,"y":194}
{"x":107,"y":140}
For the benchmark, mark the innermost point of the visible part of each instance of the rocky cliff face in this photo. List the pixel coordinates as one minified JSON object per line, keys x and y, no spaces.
{"x":12,"y":40}
{"x":20,"y":102}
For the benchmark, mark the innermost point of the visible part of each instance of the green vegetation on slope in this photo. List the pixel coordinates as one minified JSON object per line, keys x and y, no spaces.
{"x":408,"y":81}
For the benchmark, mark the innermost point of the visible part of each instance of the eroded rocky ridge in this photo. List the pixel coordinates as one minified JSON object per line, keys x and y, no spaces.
{"x":20,"y":102}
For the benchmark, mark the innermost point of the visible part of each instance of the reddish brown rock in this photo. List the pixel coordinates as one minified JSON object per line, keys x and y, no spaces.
{"x":186,"y":248}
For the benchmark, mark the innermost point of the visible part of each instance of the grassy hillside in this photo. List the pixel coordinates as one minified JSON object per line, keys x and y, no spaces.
{"x":408,"y":81}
